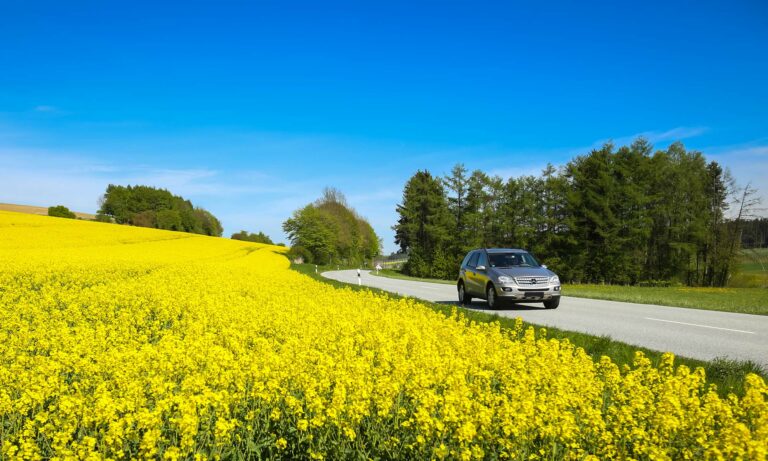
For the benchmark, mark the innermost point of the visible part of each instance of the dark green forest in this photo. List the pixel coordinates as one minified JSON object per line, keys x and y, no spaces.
{"x":755,"y":233}
{"x":330,"y":231}
{"x":157,"y":208}
{"x":625,"y":215}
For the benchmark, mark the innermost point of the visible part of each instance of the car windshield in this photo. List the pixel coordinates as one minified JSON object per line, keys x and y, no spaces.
{"x":513,"y":260}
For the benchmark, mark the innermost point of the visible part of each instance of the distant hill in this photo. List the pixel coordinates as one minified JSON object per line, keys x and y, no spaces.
{"x":39,"y":210}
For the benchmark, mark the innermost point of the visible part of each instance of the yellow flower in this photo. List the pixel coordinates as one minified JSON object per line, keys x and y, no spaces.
{"x":302,"y":425}
{"x":120,"y":342}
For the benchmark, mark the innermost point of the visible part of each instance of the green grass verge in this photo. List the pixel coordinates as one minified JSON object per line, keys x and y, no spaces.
{"x":393,"y":274}
{"x":727,"y":375}
{"x":753,"y":269}
{"x":742,"y":300}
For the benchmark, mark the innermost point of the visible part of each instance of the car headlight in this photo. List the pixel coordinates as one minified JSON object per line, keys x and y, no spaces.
{"x":555,"y":280}
{"x":505,"y":279}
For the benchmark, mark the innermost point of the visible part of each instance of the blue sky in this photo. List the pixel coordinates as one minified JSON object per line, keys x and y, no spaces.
{"x":251,"y":108}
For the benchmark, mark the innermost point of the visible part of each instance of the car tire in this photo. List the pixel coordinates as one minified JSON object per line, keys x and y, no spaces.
{"x":491,"y":297}
{"x":464,"y":297}
{"x":552,"y":303}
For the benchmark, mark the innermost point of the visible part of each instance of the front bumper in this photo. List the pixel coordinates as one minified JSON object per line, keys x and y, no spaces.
{"x":515,"y":292}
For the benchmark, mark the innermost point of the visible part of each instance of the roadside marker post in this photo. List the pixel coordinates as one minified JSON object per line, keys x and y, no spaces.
{"x":359,"y":280}
{"x":315,"y":268}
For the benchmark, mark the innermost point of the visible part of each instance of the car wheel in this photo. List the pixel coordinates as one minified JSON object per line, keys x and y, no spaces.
{"x":552,"y":303}
{"x":464,"y":297}
{"x":490,"y":295}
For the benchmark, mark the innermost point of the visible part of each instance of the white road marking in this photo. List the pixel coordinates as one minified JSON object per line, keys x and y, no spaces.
{"x":702,"y":326}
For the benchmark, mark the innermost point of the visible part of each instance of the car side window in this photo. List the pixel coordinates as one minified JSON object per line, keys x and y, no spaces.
{"x":483,"y":261}
{"x":473,"y":260}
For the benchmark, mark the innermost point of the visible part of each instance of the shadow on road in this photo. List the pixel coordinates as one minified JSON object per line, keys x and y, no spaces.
{"x":483,"y":306}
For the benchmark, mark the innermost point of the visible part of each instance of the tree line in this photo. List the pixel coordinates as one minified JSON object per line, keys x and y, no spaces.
{"x":624,"y":215}
{"x":261,"y":237}
{"x":755,"y":233}
{"x":330,"y":231}
{"x":147,"y":206}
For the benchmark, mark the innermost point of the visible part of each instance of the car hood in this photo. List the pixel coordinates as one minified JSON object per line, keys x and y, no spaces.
{"x":523,"y":271}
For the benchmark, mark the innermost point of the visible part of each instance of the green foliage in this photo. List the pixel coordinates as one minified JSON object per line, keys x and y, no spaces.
{"x":425,"y":226}
{"x":60,"y":211}
{"x":619,"y":216}
{"x":332,"y":232}
{"x":256,"y":238}
{"x":209,"y":224}
{"x":298,"y":252}
{"x":157,"y":208}
{"x":146,"y":218}
{"x":169,"y":220}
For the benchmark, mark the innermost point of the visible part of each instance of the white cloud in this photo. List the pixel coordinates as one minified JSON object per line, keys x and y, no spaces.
{"x":674,"y":134}
{"x":44,"y":108}
{"x":376,"y":196}
{"x":516,"y":172}
{"x":32,"y":175}
{"x":743,"y":151}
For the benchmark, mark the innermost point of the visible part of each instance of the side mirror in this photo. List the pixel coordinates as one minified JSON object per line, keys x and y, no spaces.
{"x":480,"y":268}
{"x":544,"y":266}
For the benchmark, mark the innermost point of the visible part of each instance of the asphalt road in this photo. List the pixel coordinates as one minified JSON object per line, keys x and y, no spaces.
{"x":694,"y":333}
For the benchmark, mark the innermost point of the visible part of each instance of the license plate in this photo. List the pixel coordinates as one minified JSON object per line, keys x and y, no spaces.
{"x":534,"y":294}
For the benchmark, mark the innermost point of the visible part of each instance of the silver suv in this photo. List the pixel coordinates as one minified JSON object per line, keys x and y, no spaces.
{"x":503,"y":274}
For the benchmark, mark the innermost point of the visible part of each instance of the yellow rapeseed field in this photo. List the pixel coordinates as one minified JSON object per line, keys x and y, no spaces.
{"x":122,"y":343}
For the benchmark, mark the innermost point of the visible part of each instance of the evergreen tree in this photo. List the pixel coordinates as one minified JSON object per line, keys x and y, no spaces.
{"x":755,"y":233}
{"x":456,"y":192}
{"x":592,"y":221}
{"x":623,"y":215}
{"x":424,"y":227}
{"x":551,"y":236}
{"x":632,"y":182}
{"x":474,"y":215}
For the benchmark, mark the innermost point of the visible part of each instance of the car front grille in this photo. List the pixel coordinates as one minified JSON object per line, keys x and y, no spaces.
{"x":531,"y":281}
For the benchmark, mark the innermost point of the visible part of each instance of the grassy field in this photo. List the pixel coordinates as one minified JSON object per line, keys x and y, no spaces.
{"x":753,"y":270}
{"x":38,"y":210}
{"x":728,"y":375}
{"x":393,"y":274}
{"x":742,"y":300}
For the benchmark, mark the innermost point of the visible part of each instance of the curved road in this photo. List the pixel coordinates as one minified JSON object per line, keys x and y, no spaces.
{"x":691,"y":333}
